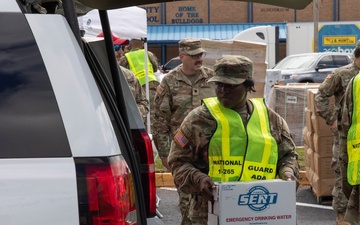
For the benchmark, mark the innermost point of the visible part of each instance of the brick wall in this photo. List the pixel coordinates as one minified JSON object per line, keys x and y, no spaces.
{"x":217,"y":11}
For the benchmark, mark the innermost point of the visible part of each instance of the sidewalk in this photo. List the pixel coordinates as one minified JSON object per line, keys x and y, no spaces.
{"x":166,"y":179}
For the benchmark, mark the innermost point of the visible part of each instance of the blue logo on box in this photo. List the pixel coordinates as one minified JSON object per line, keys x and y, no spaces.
{"x":258,"y":198}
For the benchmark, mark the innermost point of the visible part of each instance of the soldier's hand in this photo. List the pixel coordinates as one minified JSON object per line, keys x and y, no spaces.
{"x":165,"y":163}
{"x":290,"y":176}
{"x":206,"y":186}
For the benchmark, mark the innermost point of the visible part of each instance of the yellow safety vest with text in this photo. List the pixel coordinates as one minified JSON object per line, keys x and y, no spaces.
{"x":236,"y":153}
{"x":353,"y":137}
{"x":137,"y":65}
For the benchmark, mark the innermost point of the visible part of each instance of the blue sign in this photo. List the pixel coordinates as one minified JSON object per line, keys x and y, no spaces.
{"x":338,"y":38}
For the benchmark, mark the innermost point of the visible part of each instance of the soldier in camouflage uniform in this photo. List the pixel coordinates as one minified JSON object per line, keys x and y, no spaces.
{"x":199,"y":146}
{"x":181,"y":90}
{"x":135,"y":45}
{"x":335,"y":85}
{"x":137,"y":91}
{"x":352,"y":214}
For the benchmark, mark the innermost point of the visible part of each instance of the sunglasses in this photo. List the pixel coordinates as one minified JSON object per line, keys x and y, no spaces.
{"x":118,"y":47}
{"x":198,"y":56}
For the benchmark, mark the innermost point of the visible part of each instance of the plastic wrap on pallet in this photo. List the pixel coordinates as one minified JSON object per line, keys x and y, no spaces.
{"x":289,"y":101}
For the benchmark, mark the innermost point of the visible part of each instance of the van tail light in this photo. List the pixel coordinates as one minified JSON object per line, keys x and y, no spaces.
{"x":106,"y":191}
{"x":143,"y":146}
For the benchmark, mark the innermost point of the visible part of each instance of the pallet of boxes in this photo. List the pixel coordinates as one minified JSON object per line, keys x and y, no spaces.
{"x":289,"y":101}
{"x":318,"y":141}
{"x":295,"y":103}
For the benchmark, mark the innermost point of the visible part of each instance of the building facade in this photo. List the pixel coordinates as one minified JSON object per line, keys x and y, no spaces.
{"x":224,"y":12}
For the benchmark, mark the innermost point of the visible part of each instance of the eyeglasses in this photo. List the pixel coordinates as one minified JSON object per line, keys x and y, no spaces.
{"x":226,"y":86}
{"x":198,"y":56}
{"x":118,"y":47}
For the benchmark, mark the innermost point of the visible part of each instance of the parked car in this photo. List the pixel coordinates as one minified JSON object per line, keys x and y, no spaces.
{"x":164,"y":69}
{"x":74,"y":149}
{"x":171,"y":64}
{"x":308,"y":67}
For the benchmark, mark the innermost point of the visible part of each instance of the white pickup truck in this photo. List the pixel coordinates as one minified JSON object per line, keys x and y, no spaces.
{"x":73,"y":146}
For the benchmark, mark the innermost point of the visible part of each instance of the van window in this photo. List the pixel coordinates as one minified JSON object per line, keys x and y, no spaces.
{"x":31,"y":124}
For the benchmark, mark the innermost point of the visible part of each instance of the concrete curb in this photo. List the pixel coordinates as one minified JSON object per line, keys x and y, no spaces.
{"x":166,"y":179}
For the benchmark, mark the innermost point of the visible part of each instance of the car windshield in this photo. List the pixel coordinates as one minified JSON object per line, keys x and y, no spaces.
{"x":296,"y":62}
{"x":173,"y":63}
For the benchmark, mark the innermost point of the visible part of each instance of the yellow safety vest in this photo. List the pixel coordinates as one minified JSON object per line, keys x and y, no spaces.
{"x":236,"y":153}
{"x":137,"y":65}
{"x":353,"y":137}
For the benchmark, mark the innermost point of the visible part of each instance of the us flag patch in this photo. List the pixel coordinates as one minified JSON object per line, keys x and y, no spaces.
{"x":180,"y":139}
{"x":159,"y":89}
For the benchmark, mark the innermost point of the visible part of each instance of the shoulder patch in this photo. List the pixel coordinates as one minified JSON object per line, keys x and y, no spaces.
{"x":159,"y":90}
{"x":180,"y":139}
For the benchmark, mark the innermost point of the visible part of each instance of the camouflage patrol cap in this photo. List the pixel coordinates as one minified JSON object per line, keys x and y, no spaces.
{"x":234,"y":69}
{"x":190,"y":46}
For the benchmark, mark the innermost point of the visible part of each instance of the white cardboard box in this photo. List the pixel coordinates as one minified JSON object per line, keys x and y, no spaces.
{"x":269,"y":202}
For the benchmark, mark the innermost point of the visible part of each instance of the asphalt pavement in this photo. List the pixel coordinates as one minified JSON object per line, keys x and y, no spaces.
{"x":308,"y":210}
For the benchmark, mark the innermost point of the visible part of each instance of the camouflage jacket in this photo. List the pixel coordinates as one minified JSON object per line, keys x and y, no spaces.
{"x":188,"y":159}
{"x":137,"y":91}
{"x":346,"y":110}
{"x":334,"y":85}
{"x":345,"y":122}
{"x":153,"y":60}
{"x":176,"y":96}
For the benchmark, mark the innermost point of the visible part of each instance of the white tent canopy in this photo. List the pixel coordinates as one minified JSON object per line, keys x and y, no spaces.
{"x":128,"y":23}
{"x":125,"y":23}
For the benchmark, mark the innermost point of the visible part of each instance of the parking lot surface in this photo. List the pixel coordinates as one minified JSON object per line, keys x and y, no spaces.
{"x":308,"y":210}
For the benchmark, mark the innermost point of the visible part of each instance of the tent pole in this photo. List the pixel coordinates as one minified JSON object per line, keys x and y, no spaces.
{"x":146,"y":58}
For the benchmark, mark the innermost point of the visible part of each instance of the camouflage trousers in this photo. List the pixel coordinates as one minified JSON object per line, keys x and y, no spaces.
{"x":339,"y":201}
{"x":198,"y":211}
{"x":352,"y":215}
{"x":184,"y":204}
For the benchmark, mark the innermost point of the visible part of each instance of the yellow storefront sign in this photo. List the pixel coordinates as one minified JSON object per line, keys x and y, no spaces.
{"x":339,"y":40}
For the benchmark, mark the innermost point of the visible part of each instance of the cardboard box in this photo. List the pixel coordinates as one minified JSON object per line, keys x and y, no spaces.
{"x":322,"y":186}
{"x":320,"y":126}
{"x":322,"y":166}
{"x":308,"y":138}
{"x":311,"y":94}
{"x":271,"y":202}
{"x":309,"y":157}
{"x":255,"y":51}
{"x":309,"y":174}
{"x":308,"y":123}
{"x":323,"y":145}
{"x":310,"y":99}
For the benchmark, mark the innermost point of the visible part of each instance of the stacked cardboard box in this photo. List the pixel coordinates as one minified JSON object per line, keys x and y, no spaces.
{"x":318,"y":141}
{"x":289,"y":101}
{"x":255,"y":51}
